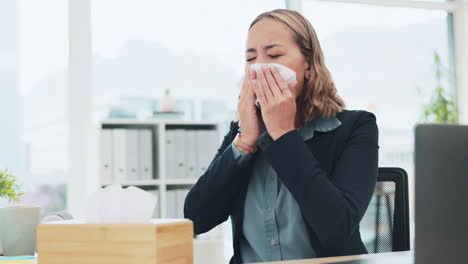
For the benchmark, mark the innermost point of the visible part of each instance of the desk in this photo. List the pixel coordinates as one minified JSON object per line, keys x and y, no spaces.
{"x":380,"y":257}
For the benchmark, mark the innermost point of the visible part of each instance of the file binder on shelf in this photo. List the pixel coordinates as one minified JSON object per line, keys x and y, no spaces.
{"x":119,"y":140}
{"x":191,"y":155}
{"x":202,"y":155}
{"x":132,"y":154}
{"x":145,"y":141}
{"x":106,"y":156}
{"x":180,"y":165}
{"x":170,"y":154}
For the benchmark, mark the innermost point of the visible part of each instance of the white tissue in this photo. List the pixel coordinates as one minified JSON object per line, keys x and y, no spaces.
{"x":288,"y":74}
{"x":114,"y":204}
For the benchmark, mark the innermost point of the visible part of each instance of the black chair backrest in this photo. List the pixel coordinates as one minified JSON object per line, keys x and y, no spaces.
{"x":385,"y":225}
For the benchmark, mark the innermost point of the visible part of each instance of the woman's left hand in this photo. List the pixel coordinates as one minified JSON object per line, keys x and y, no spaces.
{"x":277,"y":101}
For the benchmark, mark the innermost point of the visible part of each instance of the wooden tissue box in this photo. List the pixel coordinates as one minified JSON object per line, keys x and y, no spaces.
{"x":76,"y":242}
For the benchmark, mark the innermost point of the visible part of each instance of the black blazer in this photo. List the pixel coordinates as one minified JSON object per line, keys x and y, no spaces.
{"x":331,"y":176}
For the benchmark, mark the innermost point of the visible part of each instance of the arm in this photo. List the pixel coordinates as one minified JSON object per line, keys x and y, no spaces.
{"x":209,"y":201}
{"x":331,"y":206}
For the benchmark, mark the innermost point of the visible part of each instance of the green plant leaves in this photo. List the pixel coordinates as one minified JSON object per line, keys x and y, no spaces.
{"x":442,"y":107}
{"x":8,"y":187}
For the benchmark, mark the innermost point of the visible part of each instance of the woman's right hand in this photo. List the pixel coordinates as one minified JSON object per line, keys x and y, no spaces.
{"x":250,"y":118}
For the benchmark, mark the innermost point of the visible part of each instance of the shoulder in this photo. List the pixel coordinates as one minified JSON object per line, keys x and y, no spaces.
{"x":356,"y":122}
{"x":351,"y":117}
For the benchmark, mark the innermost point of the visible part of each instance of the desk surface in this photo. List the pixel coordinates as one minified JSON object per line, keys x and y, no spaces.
{"x":379,"y":256}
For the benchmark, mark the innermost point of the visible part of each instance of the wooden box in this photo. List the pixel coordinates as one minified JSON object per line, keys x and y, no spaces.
{"x":76,"y":242}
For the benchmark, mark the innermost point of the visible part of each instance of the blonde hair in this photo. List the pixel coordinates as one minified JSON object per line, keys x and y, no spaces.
{"x":319,"y":96}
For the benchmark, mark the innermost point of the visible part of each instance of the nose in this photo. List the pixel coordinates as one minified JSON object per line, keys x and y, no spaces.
{"x":262,"y":57}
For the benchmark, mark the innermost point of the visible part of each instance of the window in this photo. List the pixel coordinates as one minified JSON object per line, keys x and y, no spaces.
{"x":382,"y":59}
{"x":35,"y":112}
{"x":194,"y":48}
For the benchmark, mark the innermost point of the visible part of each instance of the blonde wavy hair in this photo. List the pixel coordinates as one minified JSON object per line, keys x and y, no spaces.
{"x":319,"y":96}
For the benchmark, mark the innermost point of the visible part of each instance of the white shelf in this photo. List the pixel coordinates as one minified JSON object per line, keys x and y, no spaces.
{"x":180,"y":181}
{"x":156,"y":122}
{"x":157,"y":182}
{"x":159,"y":128}
{"x":139,"y":183}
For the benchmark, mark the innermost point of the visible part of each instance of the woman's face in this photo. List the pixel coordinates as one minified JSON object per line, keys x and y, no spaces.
{"x":270,"y":41}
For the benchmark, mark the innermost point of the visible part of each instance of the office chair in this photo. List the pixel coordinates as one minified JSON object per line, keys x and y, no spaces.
{"x":385,"y":225}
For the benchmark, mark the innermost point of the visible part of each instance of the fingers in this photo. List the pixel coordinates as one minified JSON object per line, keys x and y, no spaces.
{"x":274,"y":84}
{"x":258,"y":92}
{"x":265,"y":87}
{"x":292,"y":85}
{"x":245,"y":82}
{"x":268,"y":85}
{"x":246,"y":78}
{"x":244,"y":89}
{"x":252,"y":74}
{"x":287,"y":92}
{"x":247,"y":94}
{"x":290,"y":88}
{"x":280,"y":81}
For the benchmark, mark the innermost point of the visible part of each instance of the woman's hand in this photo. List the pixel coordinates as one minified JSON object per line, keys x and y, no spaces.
{"x":249,"y":116}
{"x":277,"y":101}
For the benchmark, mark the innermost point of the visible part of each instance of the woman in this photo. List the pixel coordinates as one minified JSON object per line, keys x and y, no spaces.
{"x":296,"y":176}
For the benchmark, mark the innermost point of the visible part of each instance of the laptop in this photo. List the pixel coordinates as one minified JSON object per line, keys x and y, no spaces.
{"x":441,"y":209}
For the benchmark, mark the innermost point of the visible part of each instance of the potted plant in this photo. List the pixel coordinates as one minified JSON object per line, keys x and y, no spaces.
{"x":17,"y":223}
{"x":442,"y":106}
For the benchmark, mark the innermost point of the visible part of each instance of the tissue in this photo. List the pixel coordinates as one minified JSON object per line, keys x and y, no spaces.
{"x":115,"y":204}
{"x":288,"y":74}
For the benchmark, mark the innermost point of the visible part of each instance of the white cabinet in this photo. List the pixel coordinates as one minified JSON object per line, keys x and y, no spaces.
{"x":165,"y":157}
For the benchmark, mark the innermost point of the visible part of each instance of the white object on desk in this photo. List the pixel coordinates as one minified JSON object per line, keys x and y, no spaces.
{"x":114,"y":204}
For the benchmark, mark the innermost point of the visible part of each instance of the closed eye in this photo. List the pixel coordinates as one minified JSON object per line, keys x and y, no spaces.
{"x":271,"y":56}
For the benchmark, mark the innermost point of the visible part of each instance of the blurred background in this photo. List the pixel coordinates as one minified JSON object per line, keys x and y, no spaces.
{"x":67,"y":65}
